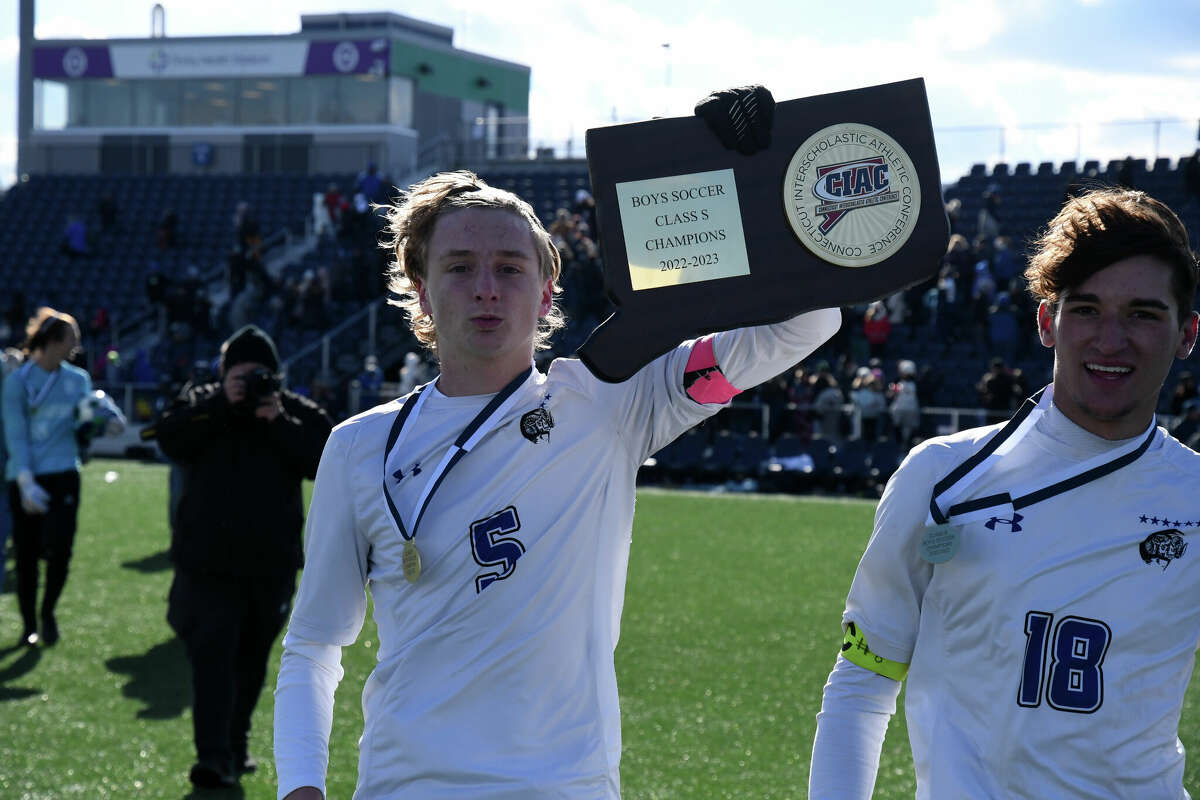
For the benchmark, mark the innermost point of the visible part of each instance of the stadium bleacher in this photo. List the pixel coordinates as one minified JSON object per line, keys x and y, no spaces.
{"x":33,"y":215}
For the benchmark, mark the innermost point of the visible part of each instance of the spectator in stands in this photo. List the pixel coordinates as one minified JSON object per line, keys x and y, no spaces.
{"x":246,"y":254}
{"x":1005,"y":264}
{"x":585,"y":208}
{"x":959,"y":259}
{"x":413,"y":373}
{"x":354,"y":218}
{"x":877,"y":327}
{"x":870,"y":403}
{"x":1185,"y":390}
{"x":335,"y":206}
{"x":369,"y":184}
{"x":997,"y":390}
{"x":370,"y":382}
{"x":947,"y":313}
{"x":827,"y":406}
{"x":1187,"y":429}
{"x":954,"y":214}
{"x":313,"y":298}
{"x":74,"y":242}
{"x":1003,"y":328}
{"x":905,"y":407}
{"x":560,"y":229}
{"x":800,"y":397}
{"x":988,"y":226}
{"x":983,"y":294}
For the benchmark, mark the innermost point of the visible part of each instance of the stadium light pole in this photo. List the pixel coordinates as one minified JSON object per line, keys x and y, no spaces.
{"x":25,"y":111}
{"x":666,"y":48}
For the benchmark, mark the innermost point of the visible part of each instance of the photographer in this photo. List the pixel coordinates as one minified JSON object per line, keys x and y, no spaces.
{"x":243,"y":446}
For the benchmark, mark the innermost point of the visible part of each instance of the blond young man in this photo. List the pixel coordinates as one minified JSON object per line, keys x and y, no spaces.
{"x":489,"y":513}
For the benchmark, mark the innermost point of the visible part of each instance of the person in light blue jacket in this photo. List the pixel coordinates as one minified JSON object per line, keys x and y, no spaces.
{"x":39,"y":413}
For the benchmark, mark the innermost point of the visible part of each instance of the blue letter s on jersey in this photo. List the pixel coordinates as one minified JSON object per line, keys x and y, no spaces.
{"x":492,"y":547}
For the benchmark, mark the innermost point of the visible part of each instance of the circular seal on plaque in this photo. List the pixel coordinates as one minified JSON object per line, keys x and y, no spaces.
{"x":852,"y":194}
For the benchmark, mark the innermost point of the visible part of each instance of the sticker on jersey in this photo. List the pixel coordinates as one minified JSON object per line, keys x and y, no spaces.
{"x":852,"y":194}
{"x":536,"y":424}
{"x":940,"y":543}
{"x":1163,"y":547}
{"x":1013,"y":523}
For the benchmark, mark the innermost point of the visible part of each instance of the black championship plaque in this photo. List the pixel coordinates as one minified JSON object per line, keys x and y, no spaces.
{"x":844,"y":207}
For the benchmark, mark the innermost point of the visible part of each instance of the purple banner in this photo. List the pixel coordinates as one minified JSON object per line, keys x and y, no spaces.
{"x":91,"y":61}
{"x":363,"y":57}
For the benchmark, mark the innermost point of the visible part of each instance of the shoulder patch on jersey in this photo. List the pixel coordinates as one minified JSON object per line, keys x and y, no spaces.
{"x":1163,"y":547}
{"x":856,"y":651}
{"x":536,"y":424}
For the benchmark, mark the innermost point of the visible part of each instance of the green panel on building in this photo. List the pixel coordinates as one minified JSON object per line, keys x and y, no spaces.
{"x":451,"y":75}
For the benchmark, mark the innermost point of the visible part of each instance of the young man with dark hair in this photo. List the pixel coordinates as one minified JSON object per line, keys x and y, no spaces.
{"x":490,"y":513}
{"x":1033,"y":580}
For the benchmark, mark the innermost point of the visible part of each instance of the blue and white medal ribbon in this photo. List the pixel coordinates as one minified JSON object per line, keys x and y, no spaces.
{"x":479,"y":427}
{"x":941,"y":539}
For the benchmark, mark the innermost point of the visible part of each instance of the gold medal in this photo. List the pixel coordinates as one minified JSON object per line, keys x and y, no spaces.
{"x":410,"y":562}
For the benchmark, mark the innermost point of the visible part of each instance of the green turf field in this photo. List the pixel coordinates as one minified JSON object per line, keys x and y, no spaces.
{"x":730,"y":628}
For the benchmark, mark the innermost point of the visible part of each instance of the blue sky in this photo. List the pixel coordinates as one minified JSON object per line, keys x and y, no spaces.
{"x":1021,"y":80}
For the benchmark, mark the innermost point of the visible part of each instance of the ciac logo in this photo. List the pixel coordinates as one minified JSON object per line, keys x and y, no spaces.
{"x":852,"y":194}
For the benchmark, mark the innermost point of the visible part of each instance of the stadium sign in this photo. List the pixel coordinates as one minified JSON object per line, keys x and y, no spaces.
{"x":226,"y":59}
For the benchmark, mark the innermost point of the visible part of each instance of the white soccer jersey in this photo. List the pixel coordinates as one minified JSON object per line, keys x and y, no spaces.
{"x":1049,"y":657}
{"x":495,"y":676}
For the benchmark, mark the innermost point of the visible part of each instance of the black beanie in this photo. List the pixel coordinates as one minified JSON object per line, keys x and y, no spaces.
{"x":251,"y":343}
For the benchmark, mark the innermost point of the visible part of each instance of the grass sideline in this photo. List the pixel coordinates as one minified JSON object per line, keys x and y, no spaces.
{"x":729,"y":631}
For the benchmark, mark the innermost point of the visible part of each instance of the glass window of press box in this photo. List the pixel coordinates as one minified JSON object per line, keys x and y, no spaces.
{"x":236,"y":102}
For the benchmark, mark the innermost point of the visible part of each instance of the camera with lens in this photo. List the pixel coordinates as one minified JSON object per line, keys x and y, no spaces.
{"x":259,"y":383}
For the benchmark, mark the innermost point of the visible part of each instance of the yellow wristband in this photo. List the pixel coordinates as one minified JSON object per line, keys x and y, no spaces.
{"x":856,"y":651}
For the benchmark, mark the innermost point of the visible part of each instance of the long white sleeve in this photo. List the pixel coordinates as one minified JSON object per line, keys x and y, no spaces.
{"x":308,"y":677}
{"x":856,"y":707}
{"x":749,"y":356}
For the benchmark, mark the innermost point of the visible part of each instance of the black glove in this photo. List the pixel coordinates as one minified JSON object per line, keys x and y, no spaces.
{"x":741,"y":117}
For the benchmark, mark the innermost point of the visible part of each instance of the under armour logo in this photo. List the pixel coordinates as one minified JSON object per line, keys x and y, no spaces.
{"x":399,"y":474}
{"x":1014,"y":523}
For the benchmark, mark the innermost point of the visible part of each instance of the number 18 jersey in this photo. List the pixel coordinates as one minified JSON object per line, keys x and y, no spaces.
{"x":1049,"y":657}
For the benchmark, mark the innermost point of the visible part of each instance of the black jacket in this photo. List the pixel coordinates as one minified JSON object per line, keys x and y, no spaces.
{"x":241,"y":512}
